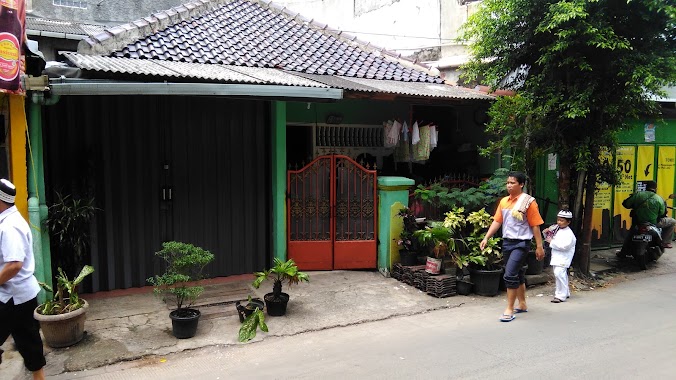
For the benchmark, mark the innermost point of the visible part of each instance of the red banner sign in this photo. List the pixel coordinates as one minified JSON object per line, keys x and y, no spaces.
{"x":12,"y":32}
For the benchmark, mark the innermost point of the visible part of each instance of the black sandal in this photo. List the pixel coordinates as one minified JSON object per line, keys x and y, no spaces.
{"x":556,"y":300}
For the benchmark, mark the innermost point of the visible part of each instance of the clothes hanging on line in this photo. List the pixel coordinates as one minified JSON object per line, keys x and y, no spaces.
{"x":421,"y":150}
{"x":415,"y":135}
{"x":392,"y":130}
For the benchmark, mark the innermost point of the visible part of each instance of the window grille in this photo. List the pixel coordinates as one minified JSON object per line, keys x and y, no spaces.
{"x":82,"y":4}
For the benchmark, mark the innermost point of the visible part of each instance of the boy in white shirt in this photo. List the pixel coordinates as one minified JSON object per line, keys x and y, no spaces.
{"x":562,"y":242}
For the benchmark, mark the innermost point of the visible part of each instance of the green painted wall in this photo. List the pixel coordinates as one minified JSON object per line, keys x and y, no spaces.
{"x":665,"y":135}
{"x":665,"y":132}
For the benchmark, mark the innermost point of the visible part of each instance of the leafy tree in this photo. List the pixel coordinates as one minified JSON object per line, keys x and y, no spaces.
{"x":582,"y":69}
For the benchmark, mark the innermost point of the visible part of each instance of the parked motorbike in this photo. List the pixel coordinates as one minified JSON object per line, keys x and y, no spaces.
{"x":646,"y":244}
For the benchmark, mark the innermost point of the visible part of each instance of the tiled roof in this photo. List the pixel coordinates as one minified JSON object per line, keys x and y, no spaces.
{"x":433,"y":90}
{"x":65,"y":27}
{"x":203,"y":72}
{"x":252,"y":33}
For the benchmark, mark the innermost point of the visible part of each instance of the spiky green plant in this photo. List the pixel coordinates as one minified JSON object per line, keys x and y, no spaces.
{"x":282,"y":271}
{"x":66,"y":298}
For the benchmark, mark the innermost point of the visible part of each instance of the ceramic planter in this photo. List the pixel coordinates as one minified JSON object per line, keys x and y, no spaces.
{"x":63,"y":330}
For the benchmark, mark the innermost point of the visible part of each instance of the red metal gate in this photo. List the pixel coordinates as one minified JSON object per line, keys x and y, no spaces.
{"x":331,"y":207}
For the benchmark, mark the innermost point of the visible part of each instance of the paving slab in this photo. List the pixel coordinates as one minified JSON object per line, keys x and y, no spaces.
{"x":132,"y":326}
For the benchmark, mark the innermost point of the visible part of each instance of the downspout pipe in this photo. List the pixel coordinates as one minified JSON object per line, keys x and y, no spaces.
{"x":37,"y":208}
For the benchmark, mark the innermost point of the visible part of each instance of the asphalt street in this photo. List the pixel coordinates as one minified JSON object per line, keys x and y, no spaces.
{"x":627,"y":331}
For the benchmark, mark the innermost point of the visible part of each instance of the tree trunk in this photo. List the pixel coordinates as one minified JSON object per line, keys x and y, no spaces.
{"x":585,"y":248}
{"x":577,"y":208}
{"x":564,"y":183}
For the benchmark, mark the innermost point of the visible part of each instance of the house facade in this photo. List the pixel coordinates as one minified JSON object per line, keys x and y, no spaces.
{"x":183,"y":126}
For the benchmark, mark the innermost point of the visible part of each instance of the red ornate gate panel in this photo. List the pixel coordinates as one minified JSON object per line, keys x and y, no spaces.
{"x":332,"y":215}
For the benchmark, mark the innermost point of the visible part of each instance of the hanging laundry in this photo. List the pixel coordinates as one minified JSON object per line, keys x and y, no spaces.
{"x":434,"y":137}
{"x":421,"y":151}
{"x":391,"y":133}
{"x":402,"y":153}
{"x":415,"y":135}
{"x":404,"y":132}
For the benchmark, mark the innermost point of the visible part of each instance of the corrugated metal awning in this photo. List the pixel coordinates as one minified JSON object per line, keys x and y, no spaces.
{"x":230,"y":74}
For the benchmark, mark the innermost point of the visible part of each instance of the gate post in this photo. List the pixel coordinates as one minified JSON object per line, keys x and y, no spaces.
{"x":392,"y":197}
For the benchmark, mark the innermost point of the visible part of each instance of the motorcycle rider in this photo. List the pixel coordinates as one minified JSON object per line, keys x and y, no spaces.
{"x":648,"y":207}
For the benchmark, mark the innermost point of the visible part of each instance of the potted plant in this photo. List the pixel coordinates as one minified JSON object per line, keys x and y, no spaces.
{"x":408,"y":244}
{"x":251,"y":323}
{"x":185,"y":263}
{"x":485,"y":269}
{"x":247,"y":309}
{"x":62,"y":318}
{"x":288,"y":272}
{"x":442,"y":238}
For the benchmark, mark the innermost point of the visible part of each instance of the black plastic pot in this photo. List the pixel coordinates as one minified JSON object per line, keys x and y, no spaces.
{"x":463,"y":287}
{"x":184,"y":322}
{"x":534,"y":265}
{"x":276,"y":306}
{"x":246,"y":310}
{"x":408,"y":258}
{"x":486,"y":282}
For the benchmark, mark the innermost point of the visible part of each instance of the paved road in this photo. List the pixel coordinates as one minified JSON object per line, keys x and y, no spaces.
{"x":628,"y":331}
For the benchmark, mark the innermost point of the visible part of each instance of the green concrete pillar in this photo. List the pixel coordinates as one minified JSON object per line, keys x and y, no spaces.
{"x":279,"y":180}
{"x":34,"y":221}
{"x":37,"y":208}
{"x":392,"y":197}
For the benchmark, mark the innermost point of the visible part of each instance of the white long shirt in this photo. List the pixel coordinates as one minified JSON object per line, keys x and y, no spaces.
{"x":16,"y":244}
{"x":563,"y":247}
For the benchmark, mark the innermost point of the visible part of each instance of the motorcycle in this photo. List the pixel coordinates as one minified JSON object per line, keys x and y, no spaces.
{"x":646,"y":244}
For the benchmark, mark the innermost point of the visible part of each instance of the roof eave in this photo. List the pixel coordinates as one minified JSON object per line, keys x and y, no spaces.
{"x":107,"y":87}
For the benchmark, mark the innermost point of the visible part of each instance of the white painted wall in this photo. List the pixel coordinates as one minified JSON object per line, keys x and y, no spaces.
{"x":392,"y":23}
{"x":386,"y":23}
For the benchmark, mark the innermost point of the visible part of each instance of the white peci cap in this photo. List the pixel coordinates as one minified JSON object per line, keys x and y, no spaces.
{"x":565,"y":214}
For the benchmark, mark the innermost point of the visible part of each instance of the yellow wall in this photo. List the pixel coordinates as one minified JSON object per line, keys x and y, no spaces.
{"x":17,"y":151}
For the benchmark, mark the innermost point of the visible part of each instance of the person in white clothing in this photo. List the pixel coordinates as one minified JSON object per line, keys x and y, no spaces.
{"x":562,"y":241}
{"x":18,"y":286}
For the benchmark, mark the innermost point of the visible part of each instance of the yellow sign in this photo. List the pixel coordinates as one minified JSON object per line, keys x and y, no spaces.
{"x":602,"y":201}
{"x":666,"y":159}
{"x":645,"y":163}
{"x":625,"y":161}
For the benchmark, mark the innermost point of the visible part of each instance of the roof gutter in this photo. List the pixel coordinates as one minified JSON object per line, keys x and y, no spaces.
{"x":60,"y":35}
{"x":98,"y":87}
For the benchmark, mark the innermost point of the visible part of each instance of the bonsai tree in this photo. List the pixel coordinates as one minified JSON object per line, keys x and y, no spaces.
{"x":66,"y":298}
{"x":281,"y":272}
{"x":185,"y":263}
